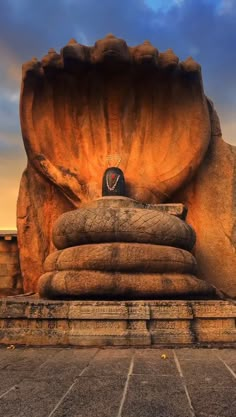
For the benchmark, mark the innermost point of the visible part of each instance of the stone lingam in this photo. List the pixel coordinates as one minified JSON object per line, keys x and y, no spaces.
{"x":142,"y":117}
{"x":116,"y":248}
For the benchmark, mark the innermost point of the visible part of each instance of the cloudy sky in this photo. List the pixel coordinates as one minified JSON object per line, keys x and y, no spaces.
{"x":204,"y":29}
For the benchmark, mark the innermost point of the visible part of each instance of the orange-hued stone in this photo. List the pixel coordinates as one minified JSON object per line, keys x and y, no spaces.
{"x":211,"y":202}
{"x":211,"y":199}
{"x":153,"y":116}
{"x":89,"y":107}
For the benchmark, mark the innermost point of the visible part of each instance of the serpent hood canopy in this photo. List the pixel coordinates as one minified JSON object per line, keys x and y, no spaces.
{"x":86,"y":103}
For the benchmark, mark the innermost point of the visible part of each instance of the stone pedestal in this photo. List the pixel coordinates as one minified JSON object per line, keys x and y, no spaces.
{"x":30,"y":321}
{"x":116,"y":248}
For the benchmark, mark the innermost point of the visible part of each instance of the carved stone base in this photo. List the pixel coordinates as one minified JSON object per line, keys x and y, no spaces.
{"x":104,"y":285}
{"x":30,"y":321}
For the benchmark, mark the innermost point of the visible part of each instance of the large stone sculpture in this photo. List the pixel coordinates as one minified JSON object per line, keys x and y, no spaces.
{"x":86,"y":103}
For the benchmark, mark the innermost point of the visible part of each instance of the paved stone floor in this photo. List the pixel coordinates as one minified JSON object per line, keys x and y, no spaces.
{"x":56,"y":382}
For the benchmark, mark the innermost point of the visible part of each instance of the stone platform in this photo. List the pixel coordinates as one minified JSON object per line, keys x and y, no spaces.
{"x":37,"y":322}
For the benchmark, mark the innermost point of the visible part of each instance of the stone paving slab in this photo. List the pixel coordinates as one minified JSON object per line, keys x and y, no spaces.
{"x":150,"y":362}
{"x":116,"y":363}
{"x":115,"y":382}
{"x":93,"y":397}
{"x":229,"y":357}
{"x":25,"y":359}
{"x":152,"y":396}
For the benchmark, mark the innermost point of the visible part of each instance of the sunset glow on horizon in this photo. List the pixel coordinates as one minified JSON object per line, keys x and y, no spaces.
{"x":204,"y":29}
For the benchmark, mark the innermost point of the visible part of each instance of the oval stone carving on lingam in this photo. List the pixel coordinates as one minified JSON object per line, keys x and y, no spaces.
{"x":113,"y":182}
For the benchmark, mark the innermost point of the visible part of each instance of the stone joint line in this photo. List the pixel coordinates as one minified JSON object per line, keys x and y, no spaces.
{"x":6,"y":392}
{"x":178,"y":366}
{"x":130,"y":371}
{"x":13,"y":387}
{"x":227,"y":366}
{"x":72,"y":386}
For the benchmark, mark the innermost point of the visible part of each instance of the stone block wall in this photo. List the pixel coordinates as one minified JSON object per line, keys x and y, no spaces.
{"x":10,"y":275}
{"x":36,"y":322}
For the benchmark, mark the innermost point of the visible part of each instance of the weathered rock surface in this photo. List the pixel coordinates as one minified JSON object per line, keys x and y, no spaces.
{"x":111,"y":285}
{"x":39,"y":205}
{"x":128,"y":257}
{"x":211,"y":202}
{"x":99,"y":225}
